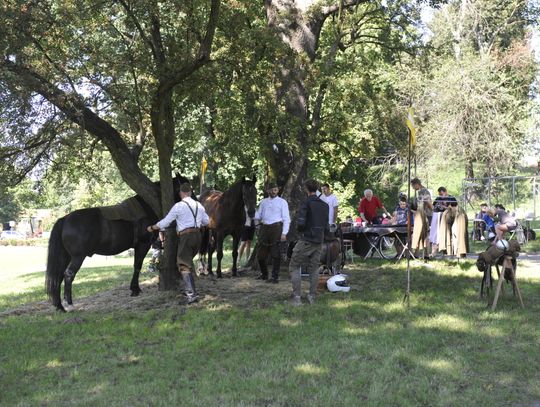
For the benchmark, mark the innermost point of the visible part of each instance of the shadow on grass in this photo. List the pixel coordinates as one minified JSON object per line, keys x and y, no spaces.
{"x":88,"y":281}
{"x":360,"y":348}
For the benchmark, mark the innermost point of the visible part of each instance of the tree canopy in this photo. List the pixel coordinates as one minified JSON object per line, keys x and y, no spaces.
{"x":284,"y":90}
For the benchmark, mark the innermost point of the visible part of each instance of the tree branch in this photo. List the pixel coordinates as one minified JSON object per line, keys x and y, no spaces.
{"x":74,"y":108}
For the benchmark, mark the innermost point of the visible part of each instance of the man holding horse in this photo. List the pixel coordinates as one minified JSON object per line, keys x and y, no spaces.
{"x":189,"y":215}
{"x":312,"y":223}
{"x":273,"y":216}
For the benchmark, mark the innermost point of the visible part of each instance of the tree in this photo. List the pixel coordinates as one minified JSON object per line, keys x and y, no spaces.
{"x":472,"y":87}
{"x":109,"y":68}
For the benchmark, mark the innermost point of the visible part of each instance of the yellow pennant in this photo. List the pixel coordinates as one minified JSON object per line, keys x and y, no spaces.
{"x":204,"y":164}
{"x":411,"y":126}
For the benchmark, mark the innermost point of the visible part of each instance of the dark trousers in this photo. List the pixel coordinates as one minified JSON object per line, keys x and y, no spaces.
{"x":188,"y":247}
{"x":269,"y":239}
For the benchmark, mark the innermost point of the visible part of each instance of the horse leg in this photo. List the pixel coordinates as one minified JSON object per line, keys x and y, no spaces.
{"x":69,"y":275}
{"x":140,"y":253}
{"x":219,"y":250}
{"x":236,"y":242}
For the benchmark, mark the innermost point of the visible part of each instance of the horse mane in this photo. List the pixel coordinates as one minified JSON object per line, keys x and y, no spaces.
{"x":135,"y":207}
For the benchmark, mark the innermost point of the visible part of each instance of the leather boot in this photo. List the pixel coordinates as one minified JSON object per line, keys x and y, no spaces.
{"x":264,"y":270}
{"x":275,"y":270}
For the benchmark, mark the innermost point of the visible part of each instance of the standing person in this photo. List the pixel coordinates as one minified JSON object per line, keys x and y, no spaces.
{"x":312,"y":223}
{"x":273,"y":215}
{"x":423,"y":196}
{"x":189,"y":215}
{"x":331,"y":200}
{"x":443,"y":201}
{"x":248,"y":231}
{"x":368,"y":208}
{"x":423,"y":207}
{"x":440,"y":204}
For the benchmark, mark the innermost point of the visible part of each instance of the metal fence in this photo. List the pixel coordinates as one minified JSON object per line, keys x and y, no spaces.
{"x":518,"y":194}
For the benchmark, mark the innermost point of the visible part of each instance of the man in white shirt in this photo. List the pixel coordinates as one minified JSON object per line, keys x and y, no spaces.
{"x":189,"y":215}
{"x":332,"y":202}
{"x":273,"y":216}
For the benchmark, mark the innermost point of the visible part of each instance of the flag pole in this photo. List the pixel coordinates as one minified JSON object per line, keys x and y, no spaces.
{"x":406,"y":298}
{"x":412,"y":142}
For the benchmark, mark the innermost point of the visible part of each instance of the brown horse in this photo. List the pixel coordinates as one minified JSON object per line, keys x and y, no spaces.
{"x":227,"y":213}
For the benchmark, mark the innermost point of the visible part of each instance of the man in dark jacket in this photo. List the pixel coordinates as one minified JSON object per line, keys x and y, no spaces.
{"x":312,"y":223}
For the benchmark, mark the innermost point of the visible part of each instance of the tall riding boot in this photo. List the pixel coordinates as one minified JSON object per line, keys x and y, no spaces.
{"x":189,"y":287}
{"x":264,"y":270}
{"x":276,"y":262}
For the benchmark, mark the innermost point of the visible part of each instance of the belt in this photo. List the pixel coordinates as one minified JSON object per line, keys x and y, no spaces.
{"x":272,"y":224}
{"x":187,"y":230}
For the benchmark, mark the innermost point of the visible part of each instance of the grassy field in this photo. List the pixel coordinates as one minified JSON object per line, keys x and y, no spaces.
{"x":361,"y":348}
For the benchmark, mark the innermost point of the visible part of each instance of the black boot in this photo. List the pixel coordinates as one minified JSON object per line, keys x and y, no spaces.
{"x":264,"y":270}
{"x":275,"y":270}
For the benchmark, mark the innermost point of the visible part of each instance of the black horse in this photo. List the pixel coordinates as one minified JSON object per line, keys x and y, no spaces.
{"x":227,"y":213}
{"x":105,"y":230}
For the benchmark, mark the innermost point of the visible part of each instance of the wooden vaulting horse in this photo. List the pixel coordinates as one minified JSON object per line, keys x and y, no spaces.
{"x":105,"y":230}
{"x":227,"y":213}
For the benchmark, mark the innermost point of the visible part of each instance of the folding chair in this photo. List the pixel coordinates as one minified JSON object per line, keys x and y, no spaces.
{"x":348,"y":248}
{"x":519,"y":234}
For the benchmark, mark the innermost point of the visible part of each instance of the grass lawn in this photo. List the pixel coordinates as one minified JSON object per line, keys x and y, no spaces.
{"x":361,"y":348}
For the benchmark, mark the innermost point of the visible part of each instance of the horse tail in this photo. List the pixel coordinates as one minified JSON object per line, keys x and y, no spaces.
{"x":57,"y":262}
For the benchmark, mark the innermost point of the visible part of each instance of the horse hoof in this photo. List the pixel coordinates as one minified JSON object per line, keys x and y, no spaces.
{"x":135,"y":293}
{"x":69,"y":308}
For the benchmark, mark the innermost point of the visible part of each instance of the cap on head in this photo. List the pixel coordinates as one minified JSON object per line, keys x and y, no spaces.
{"x":271,"y":185}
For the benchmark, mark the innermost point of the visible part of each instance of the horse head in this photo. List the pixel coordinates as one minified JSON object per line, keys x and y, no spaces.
{"x":249,"y":196}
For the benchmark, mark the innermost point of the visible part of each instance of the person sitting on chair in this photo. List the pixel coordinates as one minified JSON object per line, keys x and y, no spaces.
{"x":401,"y":213}
{"x":480,"y":227}
{"x":507,"y":222}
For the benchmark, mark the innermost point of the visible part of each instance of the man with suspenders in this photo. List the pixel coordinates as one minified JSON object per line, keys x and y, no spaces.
{"x":189,"y":215}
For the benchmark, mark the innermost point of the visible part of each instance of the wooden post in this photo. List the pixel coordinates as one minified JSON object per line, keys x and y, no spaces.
{"x":507,"y":264}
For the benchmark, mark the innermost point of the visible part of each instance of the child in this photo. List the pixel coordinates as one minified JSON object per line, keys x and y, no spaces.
{"x":401,"y":213}
{"x":157,"y":247}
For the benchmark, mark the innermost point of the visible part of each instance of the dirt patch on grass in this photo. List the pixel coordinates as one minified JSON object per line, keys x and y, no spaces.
{"x":224,"y":292}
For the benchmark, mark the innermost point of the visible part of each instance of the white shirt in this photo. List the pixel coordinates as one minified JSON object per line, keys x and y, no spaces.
{"x":183,"y":216}
{"x":333,"y":203}
{"x":272,"y":210}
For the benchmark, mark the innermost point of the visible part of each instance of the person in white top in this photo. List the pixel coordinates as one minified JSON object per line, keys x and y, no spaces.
{"x":332,"y":202}
{"x":273,"y":216}
{"x":248,"y":232}
{"x":189,"y":215}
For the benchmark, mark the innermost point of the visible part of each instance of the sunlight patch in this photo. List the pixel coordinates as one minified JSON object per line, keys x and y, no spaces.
{"x":289,"y":322}
{"x":441,"y":365}
{"x":54,"y":363}
{"x":447,"y":321}
{"x":309,"y":368}
{"x":219,"y":307}
{"x":355,"y":330}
